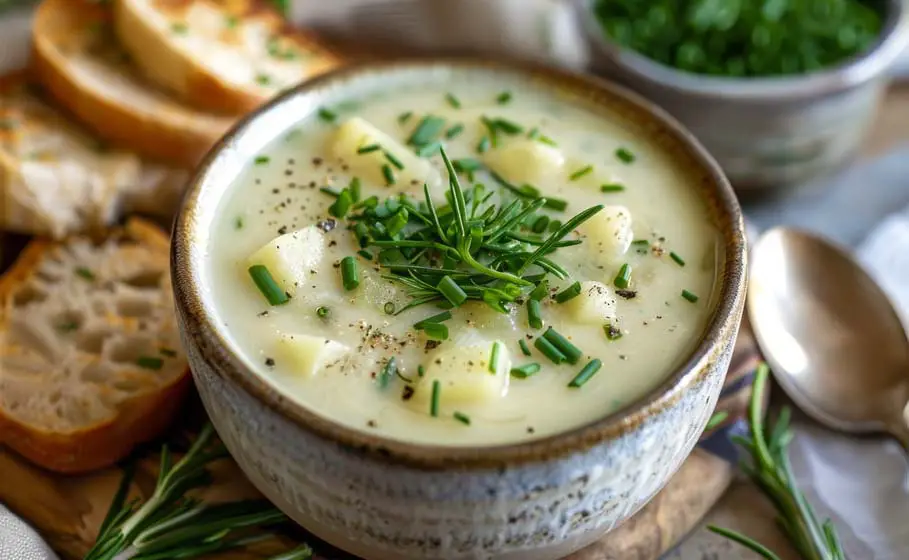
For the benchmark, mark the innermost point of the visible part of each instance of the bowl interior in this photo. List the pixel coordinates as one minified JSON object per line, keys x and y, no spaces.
{"x":227,"y":161}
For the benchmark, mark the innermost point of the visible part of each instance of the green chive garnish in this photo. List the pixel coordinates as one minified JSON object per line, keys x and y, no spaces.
{"x":436,"y":394}
{"x":149,"y":362}
{"x":453,"y":101}
{"x":507,"y":126}
{"x":393,"y":160}
{"x":484,"y":145}
{"x":238,"y":222}
{"x":612,"y":187}
{"x":454,"y":131}
{"x":429,"y":150}
{"x":388,"y":174}
{"x":436,"y":331}
{"x":462,"y":418}
{"x":404,"y":117}
{"x":675,"y":256}
{"x":322,"y":311}
{"x":715,"y":420}
{"x":369,"y":148}
{"x":350,"y":276}
{"x":556,"y":204}
{"x":534,"y":314}
{"x":421,"y":371}
{"x":327,"y":115}
{"x":494,"y":357}
{"x":525,"y":371}
{"x":452,"y":291}
{"x":426,"y":131}
{"x":540,"y":291}
{"x":623,"y":278}
{"x":341,"y":205}
{"x":388,"y":372}
{"x":389,"y":308}
{"x":503,"y":98}
{"x":586,"y":373}
{"x":438,"y":318}
{"x":571,"y":352}
{"x":569,"y":293}
{"x":540,"y":224}
{"x":689,"y":296}
{"x":262,"y":160}
{"x":580,"y":173}
{"x":624,"y":155}
{"x":85,"y":273}
{"x":524,"y":348}
{"x":612,"y":332}
{"x":354,"y":188}
{"x":267,"y":285}
{"x":549,"y":350}
{"x":466,"y":165}
{"x":641,"y":246}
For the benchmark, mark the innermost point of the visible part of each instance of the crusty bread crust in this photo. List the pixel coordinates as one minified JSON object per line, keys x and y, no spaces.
{"x":155,"y":52}
{"x":137,"y":116}
{"x":139,"y":418}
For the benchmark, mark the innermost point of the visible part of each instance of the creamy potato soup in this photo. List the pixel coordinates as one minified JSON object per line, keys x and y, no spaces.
{"x":561,"y":266}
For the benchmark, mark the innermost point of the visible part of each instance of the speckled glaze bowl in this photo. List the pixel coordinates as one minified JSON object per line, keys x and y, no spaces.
{"x":384,"y":499}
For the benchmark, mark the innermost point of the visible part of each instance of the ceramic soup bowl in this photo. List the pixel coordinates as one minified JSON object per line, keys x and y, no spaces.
{"x":385,"y":499}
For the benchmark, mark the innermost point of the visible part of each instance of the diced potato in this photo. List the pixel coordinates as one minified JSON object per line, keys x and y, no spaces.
{"x":595,"y":304}
{"x":464,"y":374}
{"x":357,"y":133}
{"x":608,"y":233}
{"x":290,"y":257}
{"x":307,"y":355}
{"x":526,"y":161}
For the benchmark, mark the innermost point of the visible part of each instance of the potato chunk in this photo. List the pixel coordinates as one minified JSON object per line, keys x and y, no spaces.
{"x":357,"y":133}
{"x":595,"y":304}
{"x":526,"y":161}
{"x":307,"y":355}
{"x":465,"y":374}
{"x":608,"y":233}
{"x":290,"y":257}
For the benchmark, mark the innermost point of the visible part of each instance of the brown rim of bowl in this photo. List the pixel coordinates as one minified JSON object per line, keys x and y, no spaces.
{"x":216,"y":349}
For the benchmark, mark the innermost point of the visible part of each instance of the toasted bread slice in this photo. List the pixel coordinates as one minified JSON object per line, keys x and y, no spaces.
{"x":91,"y":356}
{"x":219,"y":55}
{"x":78,"y":60}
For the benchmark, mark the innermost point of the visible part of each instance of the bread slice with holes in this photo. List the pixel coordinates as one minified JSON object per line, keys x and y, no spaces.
{"x":219,"y":55}
{"x":57,"y":179}
{"x":92,"y":362}
{"x":78,"y":59}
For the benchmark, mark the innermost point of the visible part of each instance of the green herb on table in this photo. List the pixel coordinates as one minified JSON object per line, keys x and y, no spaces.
{"x":169,"y":524}
{"x":768,"y":466}
{"x":715,"y":420}
{"x":85,"y":273}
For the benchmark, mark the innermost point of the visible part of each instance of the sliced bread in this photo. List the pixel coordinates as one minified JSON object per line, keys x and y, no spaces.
{"x":219,"y":55}
{"x":77,"y":58}
{"x":91,"y":356}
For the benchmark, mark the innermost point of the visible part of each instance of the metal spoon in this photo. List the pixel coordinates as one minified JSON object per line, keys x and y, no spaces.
{"x":830,"y":335}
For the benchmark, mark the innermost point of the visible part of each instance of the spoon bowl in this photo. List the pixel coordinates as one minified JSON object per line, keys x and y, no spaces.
{"x":830,"y":334}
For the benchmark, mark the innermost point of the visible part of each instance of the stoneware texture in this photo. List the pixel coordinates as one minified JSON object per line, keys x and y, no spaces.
{"x":385,"y":499}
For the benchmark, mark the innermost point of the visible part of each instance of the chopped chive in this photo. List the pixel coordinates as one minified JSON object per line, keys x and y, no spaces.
{"x":436,"y":394}
{"x":612,"y":332}
{"x":623,"y":278}
{"x":354,"y":187}
{"x":388,"y":174}
{"x":541,"y":290}
{"x":625,"y":155}
{"x":549,"y":350}
{"x":641,"y":246}
{"x":436,"y":331}
{"x":675,"y":256}
{"x":572,"y":353}
{"x":542,"y":138}
{"x":85,"y":273}
{"x":524,"y":348}
{"x":454,"y":131}
{"x":494,"y":357}
{"x":715,"y":420}
{"x":263,"y":79}
{"x":322,"y":311}
{"x":540,"y":224}
{"x":350,"y":276}
{"x":556,"y":204}
{"x":569,"y":293}
{"x":428,"y":150}
{"x":466,"y":165}
{"x":462,"y":418}
{"x":262,"y":160}
{"x":452,"y":100}
{"x":389,"y":307}
{"x":330,"y":191}
{"x":437,"y":318}
{"x":507,"y":126}
{"x":588,"y":371}
{"x":341,"y":204}
{"x":388,"y":372}
{"x":690,"y":296}
{"x":393,"y":160}
{"x":525,"y":371}
{"x":484,"y":145}
{"x":327,"y":115}
{"x":452,"y":292}
{"x":580,"y":173}
{"x":421,"y":371}
{"x":503,"y":98}
{"x":404,"y":117}
{"x":168,"y":352}
{"x":369,"y":148}
{"x":149,"y":362}
{"x":267,"y":285}
{"x":238,"y":222}
{"x":554,"y":225}
{"x":534,"y":314}
{"x":612,"y":187}
{"x":426,"y":131}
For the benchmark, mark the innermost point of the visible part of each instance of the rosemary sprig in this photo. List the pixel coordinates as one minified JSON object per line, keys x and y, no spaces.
{"x":471,"y":247}
{"x":171,"y":525}
{"x":767,"y":465}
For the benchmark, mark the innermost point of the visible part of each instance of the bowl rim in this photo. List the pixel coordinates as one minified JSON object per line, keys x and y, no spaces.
{"x":199,"y":328}
{"x":854,"y":71}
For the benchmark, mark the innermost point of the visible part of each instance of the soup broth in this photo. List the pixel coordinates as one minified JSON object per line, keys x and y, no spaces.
{"x":593,"y":322}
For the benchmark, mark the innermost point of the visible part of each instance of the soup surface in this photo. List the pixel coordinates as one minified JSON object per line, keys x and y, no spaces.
{"x":343,"y":288}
